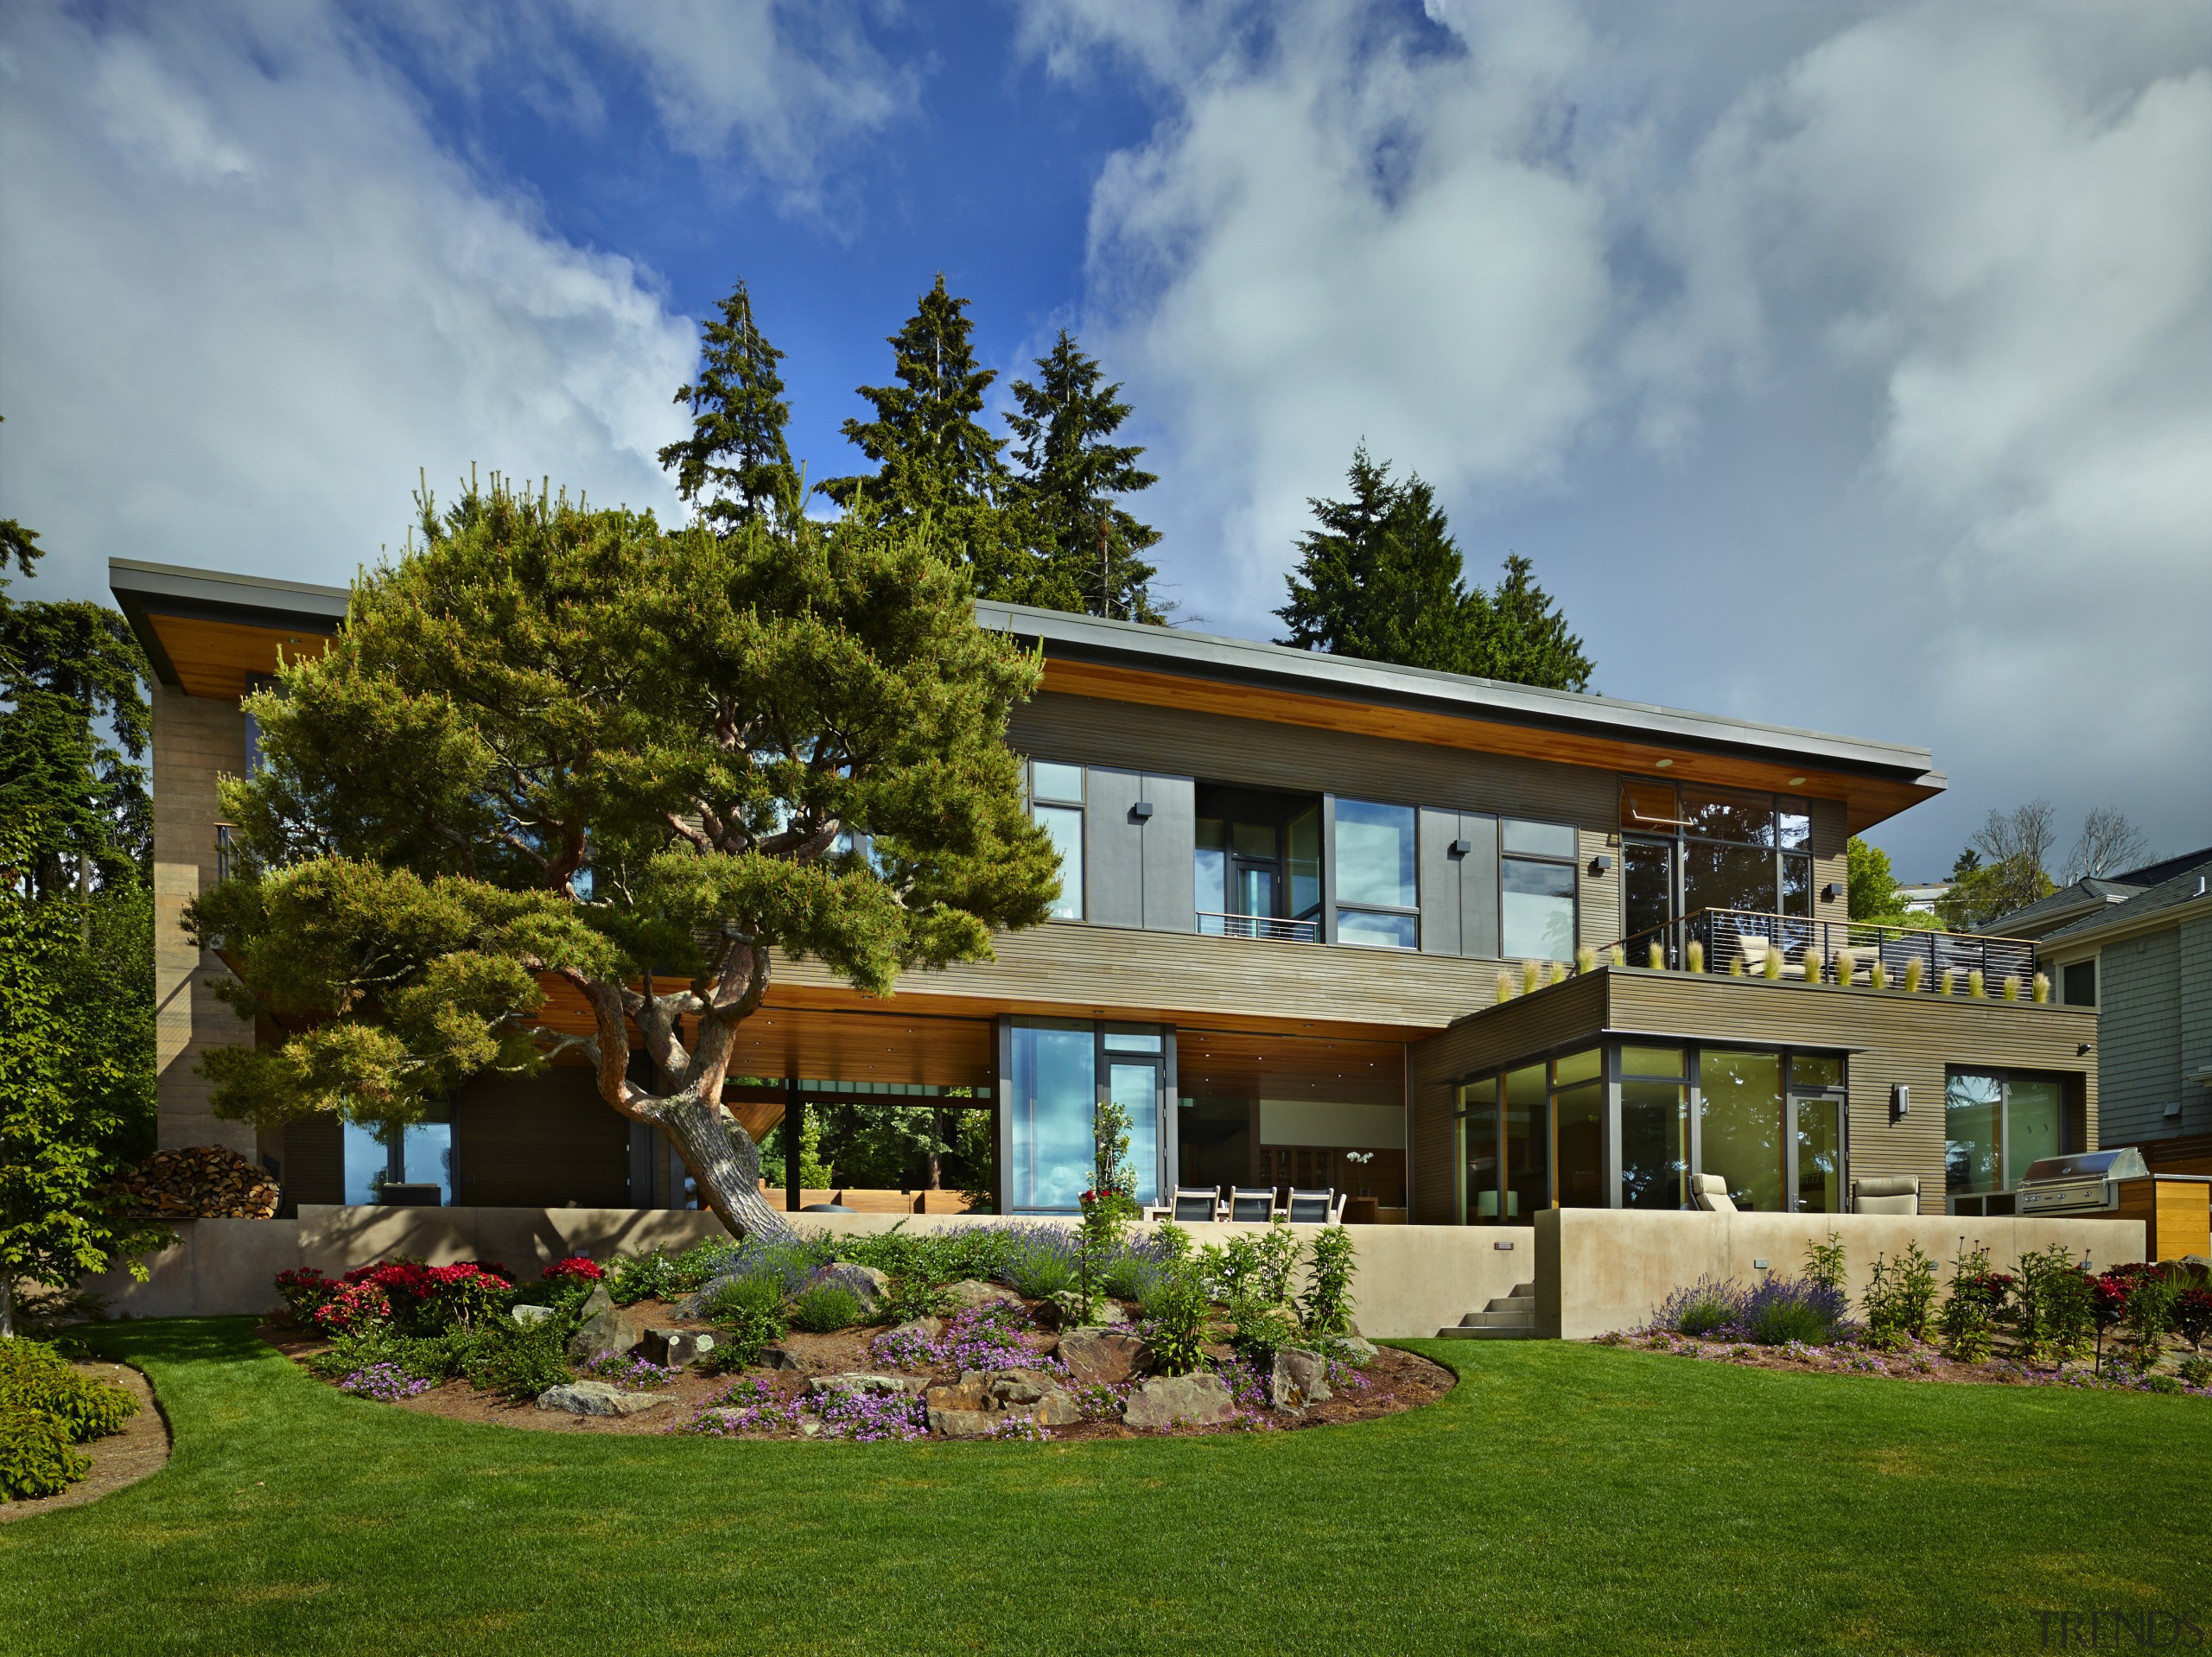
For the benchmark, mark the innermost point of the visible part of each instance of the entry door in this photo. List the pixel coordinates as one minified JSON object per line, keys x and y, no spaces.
{"x":1134,"y":1084}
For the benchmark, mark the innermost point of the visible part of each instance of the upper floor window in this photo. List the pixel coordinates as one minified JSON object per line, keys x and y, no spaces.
{"x":1690,"y":848}
{"x":1536,"y":908}
{"x":2080,"y":983}
{"x":1056,"y":802}
{"x":1378,"y":895}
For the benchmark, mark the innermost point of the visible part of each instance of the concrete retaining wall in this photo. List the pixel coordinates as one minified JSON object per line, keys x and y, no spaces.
{"x":1601,"y":1269}
{"x":1413,"y":1281}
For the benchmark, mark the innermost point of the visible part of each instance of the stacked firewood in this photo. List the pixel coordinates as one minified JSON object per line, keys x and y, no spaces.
{"x":202,"y":1182}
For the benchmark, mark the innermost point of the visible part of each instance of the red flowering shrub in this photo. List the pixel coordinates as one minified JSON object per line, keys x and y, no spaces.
{"x":305,"y":1290}
{"x":353,"y":1306}
{"x":424,"y":1298}
{"x":2193,"y":1315}
{"x":576,"y":1268}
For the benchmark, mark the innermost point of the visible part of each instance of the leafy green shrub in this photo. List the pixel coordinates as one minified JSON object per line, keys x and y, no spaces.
{"x":424,"y":1357}
{"x":1125,"y":1276}
{"x":823,"y":1308}
{"x":517,"y":1361}
{"x":35,"y":1457}
{"x":1977,"y":1294}
{"x":1901,"y":1298}
{"x":2053,"y":1311}
{"x":2195,"y":1372}
{"x":1824,"y":1263}
{"x":649,"y":1276}
{"x":37,"y":1380}
{"x":747,"y":1313}
{"x":1178,"y":1316}
{"x":1326,"y":1307}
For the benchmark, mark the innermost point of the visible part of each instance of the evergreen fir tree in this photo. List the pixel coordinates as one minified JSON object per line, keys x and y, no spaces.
{"x":935,"y":461}
{"x":1513,"y":634}
{"x":735,"y":466}
{"x":1379,"y":579}
{"x":1069,"y":475}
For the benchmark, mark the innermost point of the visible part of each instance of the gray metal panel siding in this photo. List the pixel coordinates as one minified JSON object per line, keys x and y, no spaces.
{"x":2138,"y":1035}
{"x":1113,"y":848}
{"x":1479,"y":886}
{"x":1171,"y":902}
{"x":1441,"y":897}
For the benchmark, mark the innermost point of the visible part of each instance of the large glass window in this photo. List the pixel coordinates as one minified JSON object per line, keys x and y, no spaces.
{"x":1212,"y":870}
{"x":1737,"y":850}
{"x":2035,"y":1123}
{"x":1478,"y":1126}
{"x":1056,"y":802}
{"x":1819,"y":1153}
{"x":1376,"y":864}
{"x":1655,"y":1149}
{"x":1973,"y":1116}
{"x":1535,"y":905}
{"x":1304,"y":836}
{"x":1740,"y":1124}
{"x":1579,"y":1133}
{"x":1134,"y":1084}
{"x":1527,"y":1144}
{"x":1050,"y":1100}
{"x":420,"y":1153}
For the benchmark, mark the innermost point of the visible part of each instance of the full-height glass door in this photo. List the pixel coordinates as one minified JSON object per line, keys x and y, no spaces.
{"x":1648,"y":884}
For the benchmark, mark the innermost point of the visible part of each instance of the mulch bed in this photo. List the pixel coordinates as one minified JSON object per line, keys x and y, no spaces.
{"x":121,"y":1458}
{"x":1916,"y":1361}
{"x":1391,"y":1382}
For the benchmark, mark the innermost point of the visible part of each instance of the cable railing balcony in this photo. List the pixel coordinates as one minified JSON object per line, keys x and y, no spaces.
{"x":1215,"y":924}
{"x":1746,"y":943}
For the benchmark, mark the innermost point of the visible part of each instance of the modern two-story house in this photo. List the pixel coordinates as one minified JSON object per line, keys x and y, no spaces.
{"x":1304,"y":901}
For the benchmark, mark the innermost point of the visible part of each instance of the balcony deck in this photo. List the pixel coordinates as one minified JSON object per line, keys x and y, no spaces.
{"x":1749,"y":943}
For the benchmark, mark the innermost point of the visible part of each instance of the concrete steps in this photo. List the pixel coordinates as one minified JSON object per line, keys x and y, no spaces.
{"x":1511,"y":1318}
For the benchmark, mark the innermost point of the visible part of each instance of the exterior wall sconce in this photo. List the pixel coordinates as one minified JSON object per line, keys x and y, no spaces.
{"x":2081,"y":1049}
{"x":1599,"y":865}
{"x":1460,"y":848}
{"x":1900,"y":1102}
{"x":1141,"y":812}
{"x":1830,"y":893}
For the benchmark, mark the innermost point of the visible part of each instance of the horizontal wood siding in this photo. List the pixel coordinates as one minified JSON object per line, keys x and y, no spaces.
{"x":1084,"y":971}
{"x":549,"y":1141}
{"x":313,"y":1160}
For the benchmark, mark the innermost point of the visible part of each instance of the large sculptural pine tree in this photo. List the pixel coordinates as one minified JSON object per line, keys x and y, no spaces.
{"x":561,"y":746}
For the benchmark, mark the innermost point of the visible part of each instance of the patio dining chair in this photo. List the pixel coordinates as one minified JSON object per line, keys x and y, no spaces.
{"x":1193,"y":1205}
{"x":1252,"y":1203}
{"x":1321,"y":1208}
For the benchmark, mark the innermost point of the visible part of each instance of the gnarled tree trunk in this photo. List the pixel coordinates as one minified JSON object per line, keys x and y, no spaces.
{"x":725,"y":1163}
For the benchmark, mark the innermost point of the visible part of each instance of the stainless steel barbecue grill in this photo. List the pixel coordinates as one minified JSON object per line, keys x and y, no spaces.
{"x":2085,"y":1183}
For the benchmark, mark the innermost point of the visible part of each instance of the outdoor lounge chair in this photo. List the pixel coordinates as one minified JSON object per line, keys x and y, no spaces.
{"x":1321,"y":1208}
{"x":1886,"y":1194}
{"x":1710,"y":1192}
{"x":1250,"y":1204}
{"x":1193,"y":1205}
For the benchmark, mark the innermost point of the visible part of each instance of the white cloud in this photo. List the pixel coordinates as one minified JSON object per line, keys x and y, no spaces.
{"x":247,"y":296}
{"x":1550,"y":257}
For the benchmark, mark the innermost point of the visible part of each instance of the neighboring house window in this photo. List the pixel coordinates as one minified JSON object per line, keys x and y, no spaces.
{"x":1535,"y":875}
{"x":1996,"y":1123}
{"x":2081,"y":988}
{"x":1378,"y":901}
{"x":1056,"y":802}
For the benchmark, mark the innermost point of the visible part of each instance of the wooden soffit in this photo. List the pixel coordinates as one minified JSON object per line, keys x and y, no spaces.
{"x":1866,"y":800}
{"x":213,"y":658}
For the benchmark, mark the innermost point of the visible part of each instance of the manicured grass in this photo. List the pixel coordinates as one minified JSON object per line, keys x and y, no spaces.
{"x":1565,"y":1498}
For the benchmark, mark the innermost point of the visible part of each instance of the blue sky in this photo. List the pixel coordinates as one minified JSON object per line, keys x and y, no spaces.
{"x":1841,"y":366}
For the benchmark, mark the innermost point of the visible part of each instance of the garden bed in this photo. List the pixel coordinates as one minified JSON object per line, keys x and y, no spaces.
{"x":1912,"y":1360}
{"x":139,"y":1446}
{"x":773,"y":1398}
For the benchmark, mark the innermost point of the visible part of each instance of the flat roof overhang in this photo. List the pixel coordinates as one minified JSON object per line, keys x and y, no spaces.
{"x":1119,"y":660}
{"x":205,"y":632}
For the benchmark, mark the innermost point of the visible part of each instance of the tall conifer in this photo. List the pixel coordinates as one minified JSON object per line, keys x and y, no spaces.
{"x":1085,"y":545}
{"x":1517,"y":635}
{"x":1380,"y":578}
{"x":735,"y":466}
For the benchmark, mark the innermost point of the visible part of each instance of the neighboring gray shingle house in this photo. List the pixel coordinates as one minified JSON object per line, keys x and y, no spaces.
{"x":2144,"y":962}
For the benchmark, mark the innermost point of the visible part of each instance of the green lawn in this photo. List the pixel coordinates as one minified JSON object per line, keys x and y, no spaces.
{"x":1564,"y":1498}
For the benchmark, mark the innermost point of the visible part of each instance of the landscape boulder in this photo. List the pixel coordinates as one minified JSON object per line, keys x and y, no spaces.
{"x":984,"y":1401}
{"x":598,"y":1398}
{"x":782,"y":1357}
{"x":529,"y":1316}
{"x":596,"y":1301}
{"x":1298,"y":1379}
{"x":854,"y":1380}
{"x":1104,"y":1357}
{"x":674,"y":1346}
{"x":1357,"y":1349}
{"x":870,"y":1285}
{"x":928,"y":1328}
{"x":611,"y":1331}
{"x":1200,"y":1399}
{"x":971,"y":1291}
